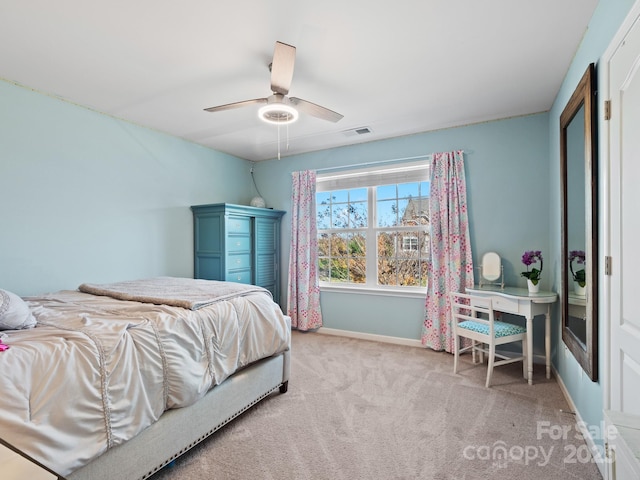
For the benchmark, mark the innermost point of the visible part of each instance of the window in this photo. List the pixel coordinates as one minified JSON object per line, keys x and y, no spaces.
{"x":409,"y":243}
{"x":373,"y":227}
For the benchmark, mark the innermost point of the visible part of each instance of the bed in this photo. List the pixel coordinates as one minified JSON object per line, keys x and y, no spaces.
{"x":115,"y":381}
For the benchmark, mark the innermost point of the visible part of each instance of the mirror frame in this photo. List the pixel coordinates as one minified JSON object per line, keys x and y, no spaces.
{"x":583,"y":96}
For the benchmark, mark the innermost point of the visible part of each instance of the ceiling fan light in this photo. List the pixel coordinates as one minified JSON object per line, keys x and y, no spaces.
{"x":278,"y":114}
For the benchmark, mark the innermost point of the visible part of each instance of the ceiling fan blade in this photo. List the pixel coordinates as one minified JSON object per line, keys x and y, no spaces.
{"x":284,"y":58}
{"x":316,"y":110}
{"x":230,"y":106}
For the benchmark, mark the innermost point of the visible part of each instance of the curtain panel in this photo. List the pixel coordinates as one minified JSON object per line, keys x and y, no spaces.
{"x":303,"y":304}
{"x":451,"y":266}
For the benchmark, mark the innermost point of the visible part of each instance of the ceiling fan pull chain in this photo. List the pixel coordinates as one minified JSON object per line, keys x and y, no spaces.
{"x":278,"y":141}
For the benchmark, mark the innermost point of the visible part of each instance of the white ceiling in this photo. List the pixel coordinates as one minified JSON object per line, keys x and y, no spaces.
{"x":398,"y":67}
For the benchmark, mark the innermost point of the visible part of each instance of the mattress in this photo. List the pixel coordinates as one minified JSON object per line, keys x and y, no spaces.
{"x":98,"y":370}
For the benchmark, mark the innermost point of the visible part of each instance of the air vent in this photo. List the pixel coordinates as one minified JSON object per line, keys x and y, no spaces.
{"x":357,"y":131}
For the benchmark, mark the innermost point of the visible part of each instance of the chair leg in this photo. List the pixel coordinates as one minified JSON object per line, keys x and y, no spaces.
{"x":456,"y":353}
{"x":492,"y":356}
{"x":525,"y":354}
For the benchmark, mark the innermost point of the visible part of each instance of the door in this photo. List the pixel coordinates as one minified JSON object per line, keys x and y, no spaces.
{"x":624,"y":147}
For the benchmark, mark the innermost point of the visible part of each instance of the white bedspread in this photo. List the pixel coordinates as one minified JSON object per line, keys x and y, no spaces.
{"x":96,"y":370}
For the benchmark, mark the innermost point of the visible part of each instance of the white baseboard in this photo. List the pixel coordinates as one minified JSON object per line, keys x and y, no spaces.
{"x":397,"y":340}
{"x":371,"y":336}
{"x":591,"y":445}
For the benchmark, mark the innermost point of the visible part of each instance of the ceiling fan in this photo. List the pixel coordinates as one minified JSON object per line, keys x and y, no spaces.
{"x":280,"y":109}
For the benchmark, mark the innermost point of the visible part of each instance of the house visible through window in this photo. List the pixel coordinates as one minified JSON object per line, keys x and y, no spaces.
{"x":373,"y":226}
{"x":409,"y":243}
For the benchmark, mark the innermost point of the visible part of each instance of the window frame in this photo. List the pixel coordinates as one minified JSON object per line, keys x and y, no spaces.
{"x":372,"y":177}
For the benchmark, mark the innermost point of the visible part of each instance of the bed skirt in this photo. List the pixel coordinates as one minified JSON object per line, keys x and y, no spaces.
{"x":180,"y":429}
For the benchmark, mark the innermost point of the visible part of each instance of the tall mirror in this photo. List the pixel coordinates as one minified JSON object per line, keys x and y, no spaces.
{"x":579,"y":225}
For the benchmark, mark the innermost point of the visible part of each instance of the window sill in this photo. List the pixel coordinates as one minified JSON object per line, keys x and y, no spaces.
{"x":383,"y":292}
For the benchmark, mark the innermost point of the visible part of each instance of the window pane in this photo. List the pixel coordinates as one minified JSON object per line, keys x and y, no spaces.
{"x":425,"y":245}
{"x":424,"y":278}
{"x":342,"y":257}
{"x":387,"y":211}
{"x":322,"y":198}
{"x":358,"y":195}
{"x":324,"y":245}
{"x":339,"y":272}
{"x":406,"y":218}
{"x":358,"y":245}
{"x":323,"y":269}
{"x":358,"y":215}
{"x":385,"y":192}
{"x":340,"y":196}
{"x":409,"y":273}
{"x":408,"y":190}
{"x":340,"y":215}
{"x":339,"y":244}
{"x":323,"y":216}
{"x":425,"y":188}
{"x":386,"y":245}
{"x":387,"y":271}
{"x":402,"y":258}
{"x":415,"y":211}
{"x":358,"y":270}
{"x":347,"y":214}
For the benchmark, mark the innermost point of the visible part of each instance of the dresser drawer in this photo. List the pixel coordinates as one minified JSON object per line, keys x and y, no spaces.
{"x":507,"y":305}
{"x":239,"y":225}
{"x":242,"y":276}
{"x":239,"y":261}
{"x":500,"y":304}
{"x":238,"y":244}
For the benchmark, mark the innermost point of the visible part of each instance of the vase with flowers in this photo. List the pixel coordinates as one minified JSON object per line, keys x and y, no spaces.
{"x":533,"y":276}
{"x":579,"y":276}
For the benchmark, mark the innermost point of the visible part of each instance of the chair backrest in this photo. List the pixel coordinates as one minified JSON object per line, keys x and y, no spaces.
{"x":467,"y":307}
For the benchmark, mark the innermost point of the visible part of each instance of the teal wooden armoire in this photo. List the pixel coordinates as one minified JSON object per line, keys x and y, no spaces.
{"x":238,"y":243}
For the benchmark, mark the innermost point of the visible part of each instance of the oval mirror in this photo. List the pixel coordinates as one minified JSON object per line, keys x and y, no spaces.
{"x":491,"y":266}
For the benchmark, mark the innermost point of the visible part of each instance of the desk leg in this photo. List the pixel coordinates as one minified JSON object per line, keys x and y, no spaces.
{"x":530,"y":349}
{"x":547,"y":341}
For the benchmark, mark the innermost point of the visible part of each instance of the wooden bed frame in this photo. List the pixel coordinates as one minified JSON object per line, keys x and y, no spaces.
{"x":180,"y":429}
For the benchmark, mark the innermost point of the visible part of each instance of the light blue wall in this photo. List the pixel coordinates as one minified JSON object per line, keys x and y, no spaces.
{"x":587,"y":395}
{"x":85,"y":197}
{"x":507,"y":171}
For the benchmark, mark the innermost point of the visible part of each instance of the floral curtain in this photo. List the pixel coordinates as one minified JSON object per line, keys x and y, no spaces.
{"x":304,"y":289}
{"x":451,"y":267}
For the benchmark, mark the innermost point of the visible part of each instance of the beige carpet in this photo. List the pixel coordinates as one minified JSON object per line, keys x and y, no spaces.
{"x":365,"y":410}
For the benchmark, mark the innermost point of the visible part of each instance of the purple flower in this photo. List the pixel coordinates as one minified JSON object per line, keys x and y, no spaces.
{"x":580,"y":258}
{"x":578,"y":255}
{"x":529,"y":258}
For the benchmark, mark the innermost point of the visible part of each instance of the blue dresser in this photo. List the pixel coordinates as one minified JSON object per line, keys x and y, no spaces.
{"x":238,"y":243}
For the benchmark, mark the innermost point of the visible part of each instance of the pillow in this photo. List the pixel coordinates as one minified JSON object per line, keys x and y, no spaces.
{"x":14,"y":312}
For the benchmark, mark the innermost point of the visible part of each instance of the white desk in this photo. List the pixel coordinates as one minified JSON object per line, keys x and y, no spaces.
{"x":519,"y":301}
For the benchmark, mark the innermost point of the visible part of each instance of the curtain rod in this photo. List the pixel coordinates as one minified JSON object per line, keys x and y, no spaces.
{"x":367,"y":164}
